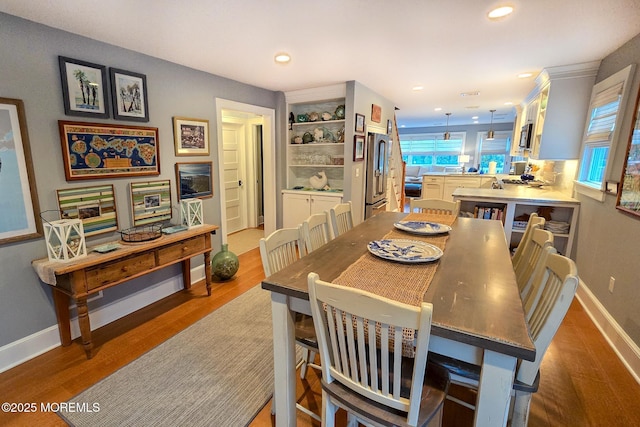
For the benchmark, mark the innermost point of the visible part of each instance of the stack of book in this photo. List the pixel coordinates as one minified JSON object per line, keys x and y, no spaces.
{"x":557,"y":227}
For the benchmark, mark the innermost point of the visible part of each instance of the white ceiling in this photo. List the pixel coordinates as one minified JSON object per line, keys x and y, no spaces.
{"x":447,"y":46}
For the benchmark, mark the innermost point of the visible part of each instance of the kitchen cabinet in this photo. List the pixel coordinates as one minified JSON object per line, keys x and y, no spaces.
{"x":432,"y":187}
{"x":557,"y":107}
{"x":452,"y":182}
{"x":299,"y":205}
{"x":517,"y":202}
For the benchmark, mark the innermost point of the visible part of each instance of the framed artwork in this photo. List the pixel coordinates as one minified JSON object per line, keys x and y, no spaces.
{"x":376,"y":113}
{"x":95,"y":150}
{"x":191,"y":136}
{"x":18,"y":196}
{"x":94,"y":206}
{"x":150,"y":201}
{"x":84,"y":88}
{"x":358,"y":148}
{"x":129,"y":95}
{"x":194,"y":180}
{"x":629,"y":188}
{"x":389,"y":127}
{"x":359,"y":122}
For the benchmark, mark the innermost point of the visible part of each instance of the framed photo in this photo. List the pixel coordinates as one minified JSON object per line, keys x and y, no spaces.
{"x":389,"y":127}
{"x":129,"y":95}
{"x":94,"y":206}
{"x":628,"y":199}
{"x":150,"y":201}
{"x":84,"y":88}
{"x":376,"y":113}
{"x":95,"y":150}
{"x":359,"y":122}
{"x":18,"y":195}
{"x":191,"y":136}
{"x":194,"y":180}
{"x":358,"y":148}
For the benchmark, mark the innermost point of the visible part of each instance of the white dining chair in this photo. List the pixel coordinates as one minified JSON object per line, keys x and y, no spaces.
{"x":315,"y":231}
{"x":531,"y":257}
{"x":360,"y":338}
{"x":534,"y":222}
{"x":278,"y":250}
{"x":341,"y":216}
{"x":557,"y":281}
{"x":435,"y":206}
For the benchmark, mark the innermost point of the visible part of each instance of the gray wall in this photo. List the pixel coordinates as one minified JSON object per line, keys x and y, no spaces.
{"x":29,"y":71}
{"x":609,"y":240}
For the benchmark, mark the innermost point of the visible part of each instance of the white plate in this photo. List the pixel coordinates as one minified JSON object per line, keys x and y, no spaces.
{"x":407,"y":251}
{"x":422,"y":227}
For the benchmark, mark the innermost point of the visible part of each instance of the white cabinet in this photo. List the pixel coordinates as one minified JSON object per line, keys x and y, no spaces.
{"x":298,"y":205}
{"x":458,"y":181}
{"x":432,"y":187}
{"x":557,"y":107}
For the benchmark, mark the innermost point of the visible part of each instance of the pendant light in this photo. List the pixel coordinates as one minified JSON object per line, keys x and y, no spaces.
{"x":490,"y":134}
{"x":447,"y":135}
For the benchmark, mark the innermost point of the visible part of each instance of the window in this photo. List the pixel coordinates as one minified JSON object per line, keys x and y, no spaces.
{"x":429,"y":149}
{"x":606,"y":110}
{"x":496,"y":150}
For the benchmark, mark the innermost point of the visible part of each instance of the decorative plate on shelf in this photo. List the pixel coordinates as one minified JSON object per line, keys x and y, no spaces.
{"x":406,"y":251}
{"x":422,"y":227}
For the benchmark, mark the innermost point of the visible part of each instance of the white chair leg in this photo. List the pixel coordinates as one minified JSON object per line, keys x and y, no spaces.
{"x":305,"y":362}
{"x":329,"y":410}
{"x":521,"y":404}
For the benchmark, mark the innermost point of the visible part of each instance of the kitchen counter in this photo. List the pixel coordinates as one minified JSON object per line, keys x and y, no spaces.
{"x":517,"y":193}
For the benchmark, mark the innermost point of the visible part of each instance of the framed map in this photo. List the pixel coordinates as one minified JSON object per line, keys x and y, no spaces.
{"x":94,"y":150}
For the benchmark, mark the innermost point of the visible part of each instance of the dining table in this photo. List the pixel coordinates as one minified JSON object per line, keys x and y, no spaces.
{"x":477,"y":318}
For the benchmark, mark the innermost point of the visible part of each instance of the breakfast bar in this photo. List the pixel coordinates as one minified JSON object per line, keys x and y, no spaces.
{"x":477,"y":312}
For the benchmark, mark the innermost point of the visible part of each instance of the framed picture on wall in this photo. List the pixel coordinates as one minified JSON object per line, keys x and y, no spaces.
{"x":195,"y":179}
{"x":359,"y":122}
{"x":191,"y":136}
{"x":84,"y":88}
{"x":376,"y":113}
{"x":94,"y":206}
{"x":358,"y":148}
{"x":18,"y":196}
{"x":628,"y":199}
{"x":150,"y":201}
{"x":129,"y":95}
{"x":389,"y":127}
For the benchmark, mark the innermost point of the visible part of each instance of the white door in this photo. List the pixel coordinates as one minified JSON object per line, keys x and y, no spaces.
{"x":233,"y":136}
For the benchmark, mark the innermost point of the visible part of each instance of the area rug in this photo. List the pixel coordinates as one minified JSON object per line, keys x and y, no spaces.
{"x":217,"y":372}
{"x":245,"y":240}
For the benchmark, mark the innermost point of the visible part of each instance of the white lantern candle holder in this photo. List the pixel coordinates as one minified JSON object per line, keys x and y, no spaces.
{"x":65,"y":240}
{"x":191,"y":213}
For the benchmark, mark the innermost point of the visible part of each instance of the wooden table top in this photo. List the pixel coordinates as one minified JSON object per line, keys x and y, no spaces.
{"x":474,"y":291}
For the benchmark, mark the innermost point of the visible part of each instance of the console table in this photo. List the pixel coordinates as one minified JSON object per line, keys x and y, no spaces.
{"x":89,"y":275}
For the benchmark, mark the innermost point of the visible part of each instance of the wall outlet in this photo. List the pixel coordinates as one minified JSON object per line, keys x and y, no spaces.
{"x":612,"y":282}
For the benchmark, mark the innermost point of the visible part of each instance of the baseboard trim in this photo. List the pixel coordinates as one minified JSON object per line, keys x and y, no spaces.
{"x":24,"y":349}
{"x":624,"y":347}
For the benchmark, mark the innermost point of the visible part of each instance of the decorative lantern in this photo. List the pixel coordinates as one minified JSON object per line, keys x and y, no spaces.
{"x":65,"y":240}
{"x":191,"y":213}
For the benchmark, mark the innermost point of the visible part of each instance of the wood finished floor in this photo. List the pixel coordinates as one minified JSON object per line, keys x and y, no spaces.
{"x":583,"y":383}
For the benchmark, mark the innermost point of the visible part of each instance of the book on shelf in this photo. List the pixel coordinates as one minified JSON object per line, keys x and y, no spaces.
{"x":486,"y":212}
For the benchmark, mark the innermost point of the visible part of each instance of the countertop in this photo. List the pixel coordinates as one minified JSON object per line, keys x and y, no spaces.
{"x":517,"y":193}
{"x":333,"y":191}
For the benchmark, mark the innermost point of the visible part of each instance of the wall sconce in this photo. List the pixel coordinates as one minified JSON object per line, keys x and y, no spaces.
{"x":447,"y":135}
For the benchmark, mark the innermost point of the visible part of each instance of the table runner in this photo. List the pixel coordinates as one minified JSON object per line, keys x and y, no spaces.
{"x":406,"y":283}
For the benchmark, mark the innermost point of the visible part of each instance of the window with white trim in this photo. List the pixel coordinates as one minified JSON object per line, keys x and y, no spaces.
{"x":494,"y":150}
{"x":430,"y":149}
{"x":606,"y":110}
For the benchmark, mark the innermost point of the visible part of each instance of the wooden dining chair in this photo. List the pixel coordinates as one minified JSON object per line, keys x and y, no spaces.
{"x":360,"y":338}
{"x":534,"y":222}
{"x":435,"y":206}
{"x":557,"y":281}
{"x":278,"y":250}
{"x":341,"y":217}
{"x":315,"y":231}
{"x":531,"y":257}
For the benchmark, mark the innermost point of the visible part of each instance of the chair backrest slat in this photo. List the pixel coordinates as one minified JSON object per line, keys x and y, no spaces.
{"x":534,"y":222}
{"x":315,"y":231}
{"x":341,"y":218}
{"x":531,"y":257}
{"x":280,"y":249}
{"x":435,"y":206}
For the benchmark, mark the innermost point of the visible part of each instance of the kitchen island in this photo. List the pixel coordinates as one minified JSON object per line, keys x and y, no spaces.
{"x":514,"y":203}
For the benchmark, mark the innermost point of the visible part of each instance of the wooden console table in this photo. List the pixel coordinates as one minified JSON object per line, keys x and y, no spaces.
{"x":89,"y":275}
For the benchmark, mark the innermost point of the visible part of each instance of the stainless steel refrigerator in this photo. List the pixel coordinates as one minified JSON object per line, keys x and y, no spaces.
{"x":377,"y":154}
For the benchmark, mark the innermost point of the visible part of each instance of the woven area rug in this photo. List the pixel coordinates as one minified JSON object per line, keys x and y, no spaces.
{"x":217,"y":372}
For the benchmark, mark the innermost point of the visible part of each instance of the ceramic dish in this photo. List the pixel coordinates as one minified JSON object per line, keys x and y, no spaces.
{"x":406,"y":251}
{"x":108,"y":247}
{"x":422,"y":227}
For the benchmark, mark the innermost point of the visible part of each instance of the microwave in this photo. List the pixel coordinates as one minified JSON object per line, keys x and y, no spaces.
{"x":525,"y":135}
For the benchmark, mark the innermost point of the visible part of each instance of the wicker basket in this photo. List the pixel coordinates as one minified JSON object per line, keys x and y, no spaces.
{"x":142,"y":234}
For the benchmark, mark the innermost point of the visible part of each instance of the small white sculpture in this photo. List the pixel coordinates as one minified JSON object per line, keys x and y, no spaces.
{"x":319,"y":181}
{"x":318,"y":134}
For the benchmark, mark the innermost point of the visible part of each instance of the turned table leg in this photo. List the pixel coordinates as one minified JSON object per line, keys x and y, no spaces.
{"x":61,"y":303}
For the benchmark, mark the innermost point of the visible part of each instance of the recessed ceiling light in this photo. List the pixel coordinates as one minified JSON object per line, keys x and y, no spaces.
{"x":417,"y":88}
{"x":500,"y":12}
{"x":437,"y":109}
{"x":508,"y":103}
{"x":524,"y":75}
{"x":471,"y":93}
{"x":282,"y":58}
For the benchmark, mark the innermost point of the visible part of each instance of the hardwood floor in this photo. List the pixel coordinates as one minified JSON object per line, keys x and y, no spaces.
{"x":583,"y":383}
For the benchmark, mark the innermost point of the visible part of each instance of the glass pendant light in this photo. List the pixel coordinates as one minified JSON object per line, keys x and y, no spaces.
{"x":447,"y":135}
{"x":491,"y":134}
